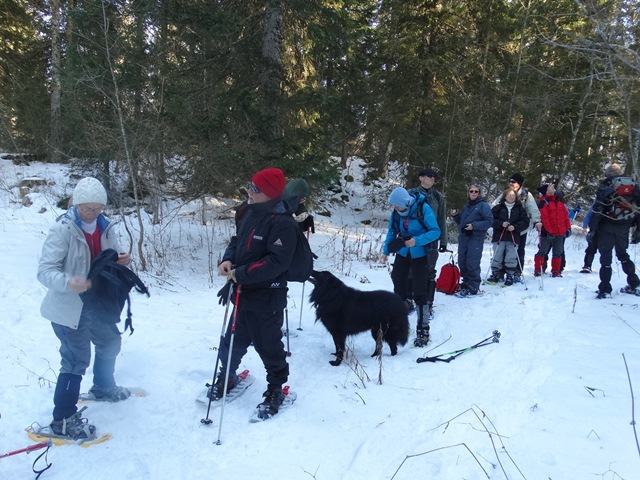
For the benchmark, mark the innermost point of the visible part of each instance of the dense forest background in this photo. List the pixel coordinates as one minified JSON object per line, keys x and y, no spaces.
{"x":199,"y":94}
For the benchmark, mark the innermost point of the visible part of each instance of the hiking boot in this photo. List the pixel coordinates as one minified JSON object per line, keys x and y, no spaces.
{"x":493,"y":278}
{"x":422,"y":337}
{"x":273,"y":398}
{"x":216,"y":390}
{"x":556,"y":275}
{"x":74,"y":428}
{"x":113,"y":394}
{"x":585,"y":269}
{"x":600,"y":295}
{"x":509,"y":280}
{"x":517,"y":277}
{"x":466,"y":292}
{"x":631,"y":290}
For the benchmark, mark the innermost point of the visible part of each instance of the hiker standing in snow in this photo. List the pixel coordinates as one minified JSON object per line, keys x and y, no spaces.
{"x":256,"y":261}
{"x":473,"y":221}
{"x":435,"y":199}
{"x":411,"y":235}
{"x":556,"y":226}
{"x":516,"y":182}
{"x":509,"y":220}
{"x":613,"y":214}
{"x":592,"y":243}
{"x":72,"y":243}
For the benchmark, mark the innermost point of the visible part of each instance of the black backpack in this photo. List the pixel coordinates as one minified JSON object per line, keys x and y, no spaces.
{"x":110,"y":287}
{"x":301,"y":265}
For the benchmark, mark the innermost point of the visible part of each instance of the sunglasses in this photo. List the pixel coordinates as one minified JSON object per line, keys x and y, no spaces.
{"x":253,"y":188}
{"x":512,"y":181}
{"x":474,"y":191}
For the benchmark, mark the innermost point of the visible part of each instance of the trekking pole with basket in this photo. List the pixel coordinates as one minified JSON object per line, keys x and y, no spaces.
{"x":493,"y":254}
{"x":524,"y":282}
{"x":226,"y":377}
{"x":286,"y":318}
{"x":207,"y":420}
{"x":494,"y":338}
{"x":301,"y":300}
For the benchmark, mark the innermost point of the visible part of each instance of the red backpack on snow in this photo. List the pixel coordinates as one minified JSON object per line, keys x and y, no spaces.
{"x":448,"y":281}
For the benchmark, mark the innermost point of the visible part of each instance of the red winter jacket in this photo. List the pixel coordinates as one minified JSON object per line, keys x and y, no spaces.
{"x":554,"y":216}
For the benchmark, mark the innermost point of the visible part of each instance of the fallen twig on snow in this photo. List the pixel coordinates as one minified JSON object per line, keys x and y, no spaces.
{"x":485,"y":429}
{"x":633,"y":414}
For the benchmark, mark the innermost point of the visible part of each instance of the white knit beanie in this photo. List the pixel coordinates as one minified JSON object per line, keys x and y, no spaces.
{"x":89,"y":190}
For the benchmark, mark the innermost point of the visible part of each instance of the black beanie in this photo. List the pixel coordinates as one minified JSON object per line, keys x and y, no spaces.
{"x":518,"y":178}
{"x":543,"y":189}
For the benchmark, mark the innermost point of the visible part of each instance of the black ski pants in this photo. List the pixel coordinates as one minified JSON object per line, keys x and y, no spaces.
{"x":591,"y":250}
{"x":402,"y":266}
{"x":614,"y":236}
{"x":264,"y":330}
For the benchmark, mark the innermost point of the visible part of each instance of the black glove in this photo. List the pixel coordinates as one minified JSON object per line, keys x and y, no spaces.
{"x":442,"y":249}
{"x":395,"y":245}
{"x":590,"y":236}
{"x":307,"y":224}
{"x":635,"y":237}
{"x":568,"y":233}
{"x":223,"y":294}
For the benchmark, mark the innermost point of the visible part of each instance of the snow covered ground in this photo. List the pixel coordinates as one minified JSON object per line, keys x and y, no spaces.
{"x":551,"y":400}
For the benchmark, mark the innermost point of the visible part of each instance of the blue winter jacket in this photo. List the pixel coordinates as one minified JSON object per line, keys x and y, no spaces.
{"x":410,"y":226}
{"x":478,"y":213}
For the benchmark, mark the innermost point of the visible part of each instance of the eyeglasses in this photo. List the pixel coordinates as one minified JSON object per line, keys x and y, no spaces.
{"x":474,"y":191}
{"x":430,"y":176}
{"x":253,"y":188}
{"x":84,"y":209}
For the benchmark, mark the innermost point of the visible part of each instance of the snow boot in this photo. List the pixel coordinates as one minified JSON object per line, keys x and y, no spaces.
{"x":585,"y":269}
{"x":217,"y":389}
{"x":494,"y":278}
{"x":66,"y":396}
{"x":273,"y":398}
{"x":425,"y":313}
{"x":74,"y":428}
{"x":509,"y":280}
{"x":113,"y":394}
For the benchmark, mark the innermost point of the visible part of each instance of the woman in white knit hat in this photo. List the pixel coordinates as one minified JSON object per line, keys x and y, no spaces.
{"x":73,"y":242}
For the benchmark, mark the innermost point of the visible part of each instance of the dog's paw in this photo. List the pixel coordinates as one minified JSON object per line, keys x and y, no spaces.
{"x":335,"y":363}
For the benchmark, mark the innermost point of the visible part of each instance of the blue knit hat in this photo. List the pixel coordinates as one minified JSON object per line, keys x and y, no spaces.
{"x":401,"y":198}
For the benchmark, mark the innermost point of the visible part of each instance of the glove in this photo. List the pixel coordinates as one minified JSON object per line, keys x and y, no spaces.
{"x":223,"y":294}
{"x":307,"y":224}
{"x":568,"y":233}
{"x":442,"y":249}
{"x":635,"y":238}
{"x":395,"y":245}
{"x":231,"y":277}
{"x":590,"y":236}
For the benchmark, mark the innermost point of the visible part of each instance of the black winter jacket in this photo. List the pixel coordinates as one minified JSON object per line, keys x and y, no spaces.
{"x":518,"y":218}
{"x":261,"y":254}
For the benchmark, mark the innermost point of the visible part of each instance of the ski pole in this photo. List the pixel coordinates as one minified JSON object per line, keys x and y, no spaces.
{"x":32,"y":448}
{"x":302,"y":299}
{"x":494,"y":338}
{"x":226,"y":378}
{"x":493,"y":254}
{"x":286,"y":317}
{"x":515,"y":246}
{"x":539,"y":245}
{"x":207,"y":420}
{"x":28,"y":449}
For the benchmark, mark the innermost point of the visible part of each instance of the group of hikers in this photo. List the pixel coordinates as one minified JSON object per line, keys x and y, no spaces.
{"x":417,"y":231}
{"x":260,"y":254}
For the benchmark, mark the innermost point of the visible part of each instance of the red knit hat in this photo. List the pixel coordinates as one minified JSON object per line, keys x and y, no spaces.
{"x":270,"y":181}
